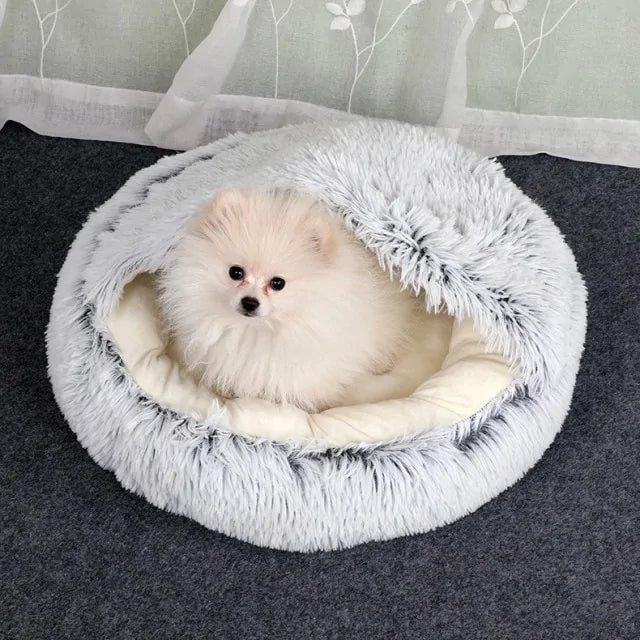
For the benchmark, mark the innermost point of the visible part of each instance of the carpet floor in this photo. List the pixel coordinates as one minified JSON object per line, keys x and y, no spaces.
{"x":556,"y":556}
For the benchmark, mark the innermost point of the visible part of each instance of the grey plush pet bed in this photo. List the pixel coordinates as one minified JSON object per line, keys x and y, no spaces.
{"x":445,"y":221}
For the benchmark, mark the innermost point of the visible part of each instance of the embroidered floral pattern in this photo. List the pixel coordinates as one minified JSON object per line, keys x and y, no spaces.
{"x":450,"y":7}
{"x":47,"y":24}
{"x":343,"y":21}
{"x":276,"y":26}
{"x":507,"y":18}
{"x":183,"y":21}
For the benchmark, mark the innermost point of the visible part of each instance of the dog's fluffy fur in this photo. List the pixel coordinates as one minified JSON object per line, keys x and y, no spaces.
{"x":338,"y":319}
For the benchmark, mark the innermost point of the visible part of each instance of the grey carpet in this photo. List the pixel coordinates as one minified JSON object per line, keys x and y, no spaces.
{"x":557,"y":556}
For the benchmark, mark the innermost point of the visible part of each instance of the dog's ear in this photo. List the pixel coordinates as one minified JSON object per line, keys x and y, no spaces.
{"x":320,"y":234}
{"x":226,"y":205}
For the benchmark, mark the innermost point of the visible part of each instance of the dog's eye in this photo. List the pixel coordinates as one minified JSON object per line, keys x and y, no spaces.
{"x":236,"y":273}
{"x":277,"y":284}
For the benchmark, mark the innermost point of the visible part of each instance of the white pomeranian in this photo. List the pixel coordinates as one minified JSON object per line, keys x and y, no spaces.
{"x":269,"y":296}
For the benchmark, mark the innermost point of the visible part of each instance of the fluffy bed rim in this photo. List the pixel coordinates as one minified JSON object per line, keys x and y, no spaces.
{"x":447,"y":220}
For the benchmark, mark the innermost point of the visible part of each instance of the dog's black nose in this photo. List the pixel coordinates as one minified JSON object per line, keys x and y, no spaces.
{"x":249,"y":305}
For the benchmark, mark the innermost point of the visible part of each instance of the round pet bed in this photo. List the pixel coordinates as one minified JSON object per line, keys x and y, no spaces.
{"x":484,"y":393}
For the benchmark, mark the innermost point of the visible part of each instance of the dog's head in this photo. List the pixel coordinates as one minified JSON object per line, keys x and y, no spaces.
{"x":259,"y":255}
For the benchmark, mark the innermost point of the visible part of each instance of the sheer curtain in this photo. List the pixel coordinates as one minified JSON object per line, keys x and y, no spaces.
{"x":283,"y":61}
{"x":501,"y":76}
{"x":94,"y":69}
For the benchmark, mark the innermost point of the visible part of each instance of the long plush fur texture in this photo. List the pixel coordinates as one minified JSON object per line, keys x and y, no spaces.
{"x":447,"y":221}
{"x":338,"y":320}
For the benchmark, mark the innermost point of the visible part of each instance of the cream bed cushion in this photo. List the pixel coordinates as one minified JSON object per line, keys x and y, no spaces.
{"x":448,"y":377}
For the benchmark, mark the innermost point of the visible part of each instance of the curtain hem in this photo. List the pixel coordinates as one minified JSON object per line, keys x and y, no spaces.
{"x":180,"y":123}
{"x":66,"y":109}
{"x":63,"y":108}
{"x":601,"y":140}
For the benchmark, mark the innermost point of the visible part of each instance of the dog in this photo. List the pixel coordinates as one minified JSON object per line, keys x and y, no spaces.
{"x":269,"y":295}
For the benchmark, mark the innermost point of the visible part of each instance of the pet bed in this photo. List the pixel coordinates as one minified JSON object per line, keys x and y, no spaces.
{"x":488,"y":391}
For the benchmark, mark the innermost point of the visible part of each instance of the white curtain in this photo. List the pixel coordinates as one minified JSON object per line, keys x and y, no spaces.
{"x":94,"y":69}
{"x":501,"y":76}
